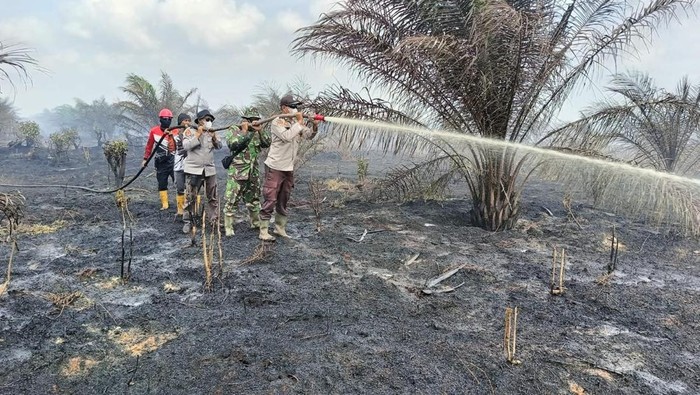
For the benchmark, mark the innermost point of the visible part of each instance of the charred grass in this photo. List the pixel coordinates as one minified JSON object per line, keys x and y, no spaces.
{"x":343,"y":310}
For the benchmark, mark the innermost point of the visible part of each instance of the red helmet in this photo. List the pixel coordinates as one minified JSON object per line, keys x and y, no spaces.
{"x":165,"y":113}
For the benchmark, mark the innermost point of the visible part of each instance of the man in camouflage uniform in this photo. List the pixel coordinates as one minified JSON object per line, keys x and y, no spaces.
{"x":244,"y":172}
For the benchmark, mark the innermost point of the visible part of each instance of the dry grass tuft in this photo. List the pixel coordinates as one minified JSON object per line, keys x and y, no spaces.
{"x":576,"y":389}
{"x":671,"y":321}
{"x":261,"y":251}
{"x":88,"y":272}
{"x":136,"y":342}
{"x":169,"y":287}
{"x":37,"y":229}
{"x":78,"y":366}
{"x":604,"y":279}
{"x":72,"y":249}
{"x":110,"y":283}
{"x":600,"y":373}
{"x":64,"y":299}
{"x":338,"y":185}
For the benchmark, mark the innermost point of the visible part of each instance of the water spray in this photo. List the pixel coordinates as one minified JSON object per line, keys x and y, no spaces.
{"x":654,"y":194}
{"x":431,"y":133}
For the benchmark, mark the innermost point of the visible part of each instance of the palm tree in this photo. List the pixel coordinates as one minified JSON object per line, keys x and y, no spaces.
{"x":227,"y":115}
{"x":267,"y":96}
{"x":98,"y":119}
{"x":144,"y":103}
{"x":658,"y":129}
{"x":499,"y":69}
{"x":18,"y":58}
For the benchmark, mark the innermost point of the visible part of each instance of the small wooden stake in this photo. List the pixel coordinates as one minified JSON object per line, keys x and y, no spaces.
{"x":554,"y":288}
{"x":612,"y":244}
{"x":614,"y":248}
{"x":554,"y":270}
{"x":506,"y":333}
{"x":207,"y":266}
{"x":221,"y":253}
{"x":510,"y":335}
{"x":561,"y":270}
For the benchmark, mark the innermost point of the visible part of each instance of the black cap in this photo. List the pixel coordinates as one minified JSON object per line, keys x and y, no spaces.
{"x":289,"y":101}
{"x":183,"y":117}
{"x":203,"y":114}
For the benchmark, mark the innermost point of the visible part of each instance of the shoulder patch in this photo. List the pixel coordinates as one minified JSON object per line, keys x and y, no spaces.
{"x":188,"y":132}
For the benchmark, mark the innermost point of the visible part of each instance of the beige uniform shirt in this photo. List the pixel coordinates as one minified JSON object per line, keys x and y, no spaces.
{"x":200,"y":153}
{"x":285,"y":143}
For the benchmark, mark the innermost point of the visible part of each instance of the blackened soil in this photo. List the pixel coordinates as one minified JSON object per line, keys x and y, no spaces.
{"x":326,"y":313}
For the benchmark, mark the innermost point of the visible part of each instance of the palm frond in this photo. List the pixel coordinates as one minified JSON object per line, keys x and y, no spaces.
{"x":140,"y":110}
{"x":659,"y":128}
{"x":17,"y":58}
{"x":418,"y":181}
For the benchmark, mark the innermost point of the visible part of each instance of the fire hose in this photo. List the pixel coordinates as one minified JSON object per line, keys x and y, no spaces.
{"x":315,"y":117}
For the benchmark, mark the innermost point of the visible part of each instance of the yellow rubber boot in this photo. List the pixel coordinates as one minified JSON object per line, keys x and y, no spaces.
{"x":180,"y":204}
{"x":281,"y":226}
{"x":164,"y":200}
{"x":264,"y":233}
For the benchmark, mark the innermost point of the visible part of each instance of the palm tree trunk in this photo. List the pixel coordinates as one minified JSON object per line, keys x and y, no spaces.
{"x":121,"y":170}
{"x":495,"y":197}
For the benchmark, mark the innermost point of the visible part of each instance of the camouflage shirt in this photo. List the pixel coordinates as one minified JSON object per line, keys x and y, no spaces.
{"x":245,"y":164}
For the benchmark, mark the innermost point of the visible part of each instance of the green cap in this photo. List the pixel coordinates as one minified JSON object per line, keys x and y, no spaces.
{"x":251,"y":113}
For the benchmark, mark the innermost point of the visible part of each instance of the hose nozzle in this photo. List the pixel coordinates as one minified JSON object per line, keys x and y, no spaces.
{"x":318,"y":117}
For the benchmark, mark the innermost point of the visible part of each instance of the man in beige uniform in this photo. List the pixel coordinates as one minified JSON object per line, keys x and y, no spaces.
{"x":279,"y":166}
{"x":199,"y":167}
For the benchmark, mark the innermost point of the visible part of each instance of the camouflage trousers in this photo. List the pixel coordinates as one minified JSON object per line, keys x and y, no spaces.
{"x":246,"y":190}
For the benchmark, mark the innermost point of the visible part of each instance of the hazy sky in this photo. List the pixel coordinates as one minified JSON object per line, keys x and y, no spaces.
{"x":223,"y":47}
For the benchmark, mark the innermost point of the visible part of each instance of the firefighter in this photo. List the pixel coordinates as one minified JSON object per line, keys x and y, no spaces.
{"x":164,"y":157}
{"x":199,"y":167}
{"x":244,"y":174}
{"x":179,"y":168}
{"x":279,"y":166}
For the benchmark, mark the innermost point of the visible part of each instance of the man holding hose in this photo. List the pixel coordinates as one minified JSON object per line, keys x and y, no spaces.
{"x":182,"y":120}
{"x":199,"y":167}
{"x":244,"y":174}
{"x":164,"y":156}
{"x":279,"y":166}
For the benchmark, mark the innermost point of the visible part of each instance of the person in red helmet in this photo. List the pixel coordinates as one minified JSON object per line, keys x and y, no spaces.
{"x":164,"y":157}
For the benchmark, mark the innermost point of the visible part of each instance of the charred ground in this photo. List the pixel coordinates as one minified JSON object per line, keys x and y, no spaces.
{"x":326,"y":313}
